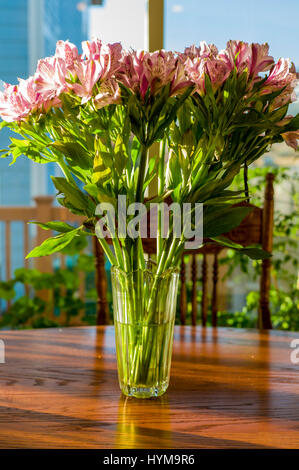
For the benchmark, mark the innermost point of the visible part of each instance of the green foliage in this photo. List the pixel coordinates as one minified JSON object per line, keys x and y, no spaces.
{"x":53,"y":244}
{"x":284,"y":292}
{"x":32,"y":311}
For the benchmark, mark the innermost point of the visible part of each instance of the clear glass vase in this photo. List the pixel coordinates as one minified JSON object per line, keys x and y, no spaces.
{"x":144,"y":306}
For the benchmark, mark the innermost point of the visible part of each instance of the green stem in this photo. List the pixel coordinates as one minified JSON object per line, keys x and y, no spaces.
{"x":142,"y":167}
{"x":161,"y":183}
{"x":137,"y":253}
{"x":107,"y":251}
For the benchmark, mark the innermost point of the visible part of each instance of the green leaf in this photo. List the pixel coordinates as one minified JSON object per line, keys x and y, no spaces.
{"x":53,"y":245}
{"x":76,"y":245}
{"x":169,"y":116}
{"x":219,"y":221}
{"x":173,"y":172}
{"x":73,"y":196}
{"x":57,"y":226}
{"x":136,"y":117}
{"x":74,"y":154}
{"x":255,"y":252}
{"x":252,"y":251}
{"x":4,"y":124}
{"x":120,"y":155}
{"x":100,"y":194}
{"x":20,"y":147}
{"x":92,"y":190}
{"x":102,"y":164}
{"x":7,"y":291}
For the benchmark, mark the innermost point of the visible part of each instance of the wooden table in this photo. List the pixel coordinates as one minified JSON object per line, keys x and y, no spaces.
{"x":230,"y":388}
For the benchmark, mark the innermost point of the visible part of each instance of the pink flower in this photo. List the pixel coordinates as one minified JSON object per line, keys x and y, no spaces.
{"x":143,"y":70}
{"x":13,"y":107}
{"x":237,"y":53}
{"x":28,"y":90}
{"x":281,"y":76}
{"x":67,"y":51}
{"x":159,"y":68}
{"x":180,"y":80}
{"x":18,"y":101}
{"x":88,"y":73}
{"x":195,"y":70}
{"x":217,"y":70}
{"x":109,"y":94}
{"x":259,"y":60}
{"x":291,"y":138}
{"x":109,"y":55}
{"x":191,"y":52}
{"x":204,"y":50}
{"x":92,"y":49}
{"x":50,"y":77}
{"x":208,"y":50}
{"x":132,"y":72}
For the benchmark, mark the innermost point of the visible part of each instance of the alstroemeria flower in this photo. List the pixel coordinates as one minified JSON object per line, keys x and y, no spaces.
{"x":217,"y":70}
{"x":236,"y":54}
{"x":109,"y":55}
{"x":159,"y":68}
{"x":204,"y":50}
{"x":88,"y":73}
{"x":132,"y":72}
{"x":50,"y":77}
{"x":259,"y":60}
{"x":142,"y":70}
{"x":195,"y":70}
{"x":67,"y":51}
{"x":109,"y":94}
{"x":28,"y":90}
{"x":291,"y":139}
{"x":180,"y":80}
{"x":282,"y":75}
{"x":13,"y":107}
{"x":208,"y":50}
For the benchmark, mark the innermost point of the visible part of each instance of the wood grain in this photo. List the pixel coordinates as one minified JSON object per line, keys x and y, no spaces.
{"x":230,"y":388}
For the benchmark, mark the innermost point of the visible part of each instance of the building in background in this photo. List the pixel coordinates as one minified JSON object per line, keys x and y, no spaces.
{"x":119,"y":20}
{"x":29,"y":30}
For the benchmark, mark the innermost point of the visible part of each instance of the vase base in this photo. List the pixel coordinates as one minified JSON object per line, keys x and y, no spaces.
{"x":143,"y":391}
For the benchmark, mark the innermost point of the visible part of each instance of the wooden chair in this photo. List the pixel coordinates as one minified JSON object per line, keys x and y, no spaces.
{"x":256,"y":228}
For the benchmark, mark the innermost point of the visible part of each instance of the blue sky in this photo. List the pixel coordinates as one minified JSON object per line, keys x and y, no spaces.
{"x":217,"y":21}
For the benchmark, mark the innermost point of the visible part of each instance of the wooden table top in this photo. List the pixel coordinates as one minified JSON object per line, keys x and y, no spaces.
{"x":230,"y":388}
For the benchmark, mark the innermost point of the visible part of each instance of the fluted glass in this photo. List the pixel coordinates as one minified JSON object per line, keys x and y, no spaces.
{"x":144,"y":306}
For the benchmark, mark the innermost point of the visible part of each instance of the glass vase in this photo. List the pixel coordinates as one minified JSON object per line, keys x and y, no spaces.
{"x":144,"y":306}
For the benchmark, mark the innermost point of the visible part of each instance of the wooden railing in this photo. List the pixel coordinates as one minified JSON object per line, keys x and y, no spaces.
{"x":43,"y":211}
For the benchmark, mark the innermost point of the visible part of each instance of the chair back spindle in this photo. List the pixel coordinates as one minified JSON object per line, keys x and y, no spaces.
{"x":194,"y":290}
{"x":264,"y":317}
{"x":183,"y":293}
{"x":204,"y":297}
{"x":215,"y":290}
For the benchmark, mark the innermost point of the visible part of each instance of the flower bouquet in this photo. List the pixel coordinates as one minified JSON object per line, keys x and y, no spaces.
{"x":114,"y":121}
